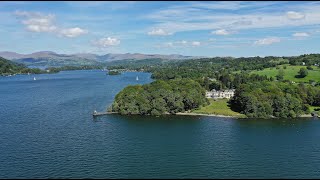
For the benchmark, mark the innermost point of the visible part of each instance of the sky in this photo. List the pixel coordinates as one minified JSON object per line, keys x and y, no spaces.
{"x":193,"y":28}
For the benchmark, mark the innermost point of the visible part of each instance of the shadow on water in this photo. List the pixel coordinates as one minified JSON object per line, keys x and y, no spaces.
{"x":276,"y":122}
{"x":139,"y":119}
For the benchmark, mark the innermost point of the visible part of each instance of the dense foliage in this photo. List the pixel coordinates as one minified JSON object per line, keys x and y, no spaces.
{"x":278,"y":99}
{"x":160,"y":97}
{"x":256,"y":95}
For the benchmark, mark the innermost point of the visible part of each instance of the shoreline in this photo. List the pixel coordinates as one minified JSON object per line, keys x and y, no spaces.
{"x":214,"y":115}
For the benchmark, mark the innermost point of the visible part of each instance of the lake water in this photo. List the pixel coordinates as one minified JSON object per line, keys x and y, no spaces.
{"x":47,"y":131}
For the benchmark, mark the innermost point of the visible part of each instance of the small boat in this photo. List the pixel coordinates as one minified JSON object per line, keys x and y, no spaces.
{"x":34,"y":78}
{"x":137,"y":78}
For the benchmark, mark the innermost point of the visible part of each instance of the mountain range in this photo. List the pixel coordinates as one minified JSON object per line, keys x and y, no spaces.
{"x":49,"y":58}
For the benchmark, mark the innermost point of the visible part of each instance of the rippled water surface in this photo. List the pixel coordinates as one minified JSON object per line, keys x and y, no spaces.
{"x":47,"y":131}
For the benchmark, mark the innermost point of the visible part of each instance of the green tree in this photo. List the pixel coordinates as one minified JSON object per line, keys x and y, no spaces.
{"x":280,"y":75}
{"x":303,"y":72}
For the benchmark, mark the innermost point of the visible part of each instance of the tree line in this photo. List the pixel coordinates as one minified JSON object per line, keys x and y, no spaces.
{"x":275,"y":99}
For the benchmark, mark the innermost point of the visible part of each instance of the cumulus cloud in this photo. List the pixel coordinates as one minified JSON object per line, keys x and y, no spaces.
{"x":159,"y":32}
{"x":295,"y":15}
{"x":267,"y":41}
{"x":300,"y":34}
{"x":73,"y":32}
{"x":38,"y":22}
{"x":107,"y":42}
{"x":221,"y":32}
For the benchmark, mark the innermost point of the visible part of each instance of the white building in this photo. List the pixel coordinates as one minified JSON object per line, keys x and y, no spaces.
{"x":220,"y":94}
{"x":208,"y":94}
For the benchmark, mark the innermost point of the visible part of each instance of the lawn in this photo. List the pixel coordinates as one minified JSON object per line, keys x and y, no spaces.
{"x":311,"y":108}
{"x":290,"y":72}
{"x":218,"y":107}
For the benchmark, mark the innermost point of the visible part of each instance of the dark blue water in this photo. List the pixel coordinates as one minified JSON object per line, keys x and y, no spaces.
{"x":47,"y":131}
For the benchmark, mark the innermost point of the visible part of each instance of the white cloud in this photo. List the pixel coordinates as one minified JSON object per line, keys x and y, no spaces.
{"x":194,"y":16}
{"x":169,"y":44}
{"x":220,"y":32}
{"x":37,"y":22}
{"x":107,"y":42}
{"x":73,"y":32}
{"x":182,"y":43}
{"x":300,"y":34}
{"x":196,"y":43}
{"x":267,"y":41}
{"x":295,"y":15}
{"x":159,"y":32}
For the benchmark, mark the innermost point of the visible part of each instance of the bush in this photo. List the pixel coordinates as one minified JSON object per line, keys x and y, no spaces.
{"x":309,"y":68}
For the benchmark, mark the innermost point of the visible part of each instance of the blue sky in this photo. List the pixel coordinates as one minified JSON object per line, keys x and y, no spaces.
{"x":195,"y":28}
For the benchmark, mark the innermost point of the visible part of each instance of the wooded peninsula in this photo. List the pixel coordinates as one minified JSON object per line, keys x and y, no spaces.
{"x":284,"y":87}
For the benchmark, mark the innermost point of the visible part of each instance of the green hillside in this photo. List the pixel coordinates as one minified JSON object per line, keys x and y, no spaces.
{"x":8,"y":67}
{"x":290,"y":72}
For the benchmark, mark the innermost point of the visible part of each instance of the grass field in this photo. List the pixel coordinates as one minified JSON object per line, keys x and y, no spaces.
{"x":311,"y":108}
{"x":290,"y":72}
{"x":218,"y":107}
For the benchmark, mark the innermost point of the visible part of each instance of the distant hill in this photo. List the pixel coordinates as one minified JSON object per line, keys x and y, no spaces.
{"x":8,"y":67}
{"x":49,"y":58}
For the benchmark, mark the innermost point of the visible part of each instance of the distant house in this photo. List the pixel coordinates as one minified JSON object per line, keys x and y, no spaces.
{"x":208,"y":94}
{"x":229,"y":93}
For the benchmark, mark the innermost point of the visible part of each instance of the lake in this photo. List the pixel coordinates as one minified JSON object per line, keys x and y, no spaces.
{"x":47,"y":131}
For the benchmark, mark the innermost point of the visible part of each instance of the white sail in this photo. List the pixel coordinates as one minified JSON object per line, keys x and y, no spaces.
{"x":34,"y":78}
{"x":137,"y":78}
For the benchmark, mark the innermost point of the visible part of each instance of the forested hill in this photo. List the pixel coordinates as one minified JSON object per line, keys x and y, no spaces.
{"x":8,"y":67}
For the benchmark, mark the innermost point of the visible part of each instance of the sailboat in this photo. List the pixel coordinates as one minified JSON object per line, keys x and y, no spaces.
{"x":137,"y":78}
{"x":34,"y":78}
